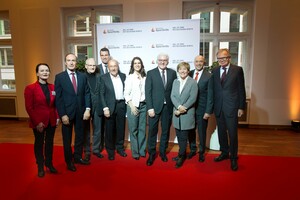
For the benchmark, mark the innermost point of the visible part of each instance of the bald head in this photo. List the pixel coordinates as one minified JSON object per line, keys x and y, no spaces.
{"x":199,"y":62}
{"x":90,"y":65}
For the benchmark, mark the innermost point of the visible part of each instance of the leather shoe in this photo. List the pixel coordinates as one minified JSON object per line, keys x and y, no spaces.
{"x":221,"y":157}
{"x":201,"y":157}
{"x":82,"y":162}
{"x":175,"y":158}
{"x":164,"y":158}
{"x":191,"y":154}
{"x":150,"y":160}
{"x":99,"y":155}
{"x":51,"y":169}
{"x":180,"y":161}
{"x":41,"y":172}
{"x":111,"y":157}
{"x":122,"y":153}
{"x":136,"y":158}
{"x":71,"y":167}
{"x":234,"y":165}
{"x":87,"y":157}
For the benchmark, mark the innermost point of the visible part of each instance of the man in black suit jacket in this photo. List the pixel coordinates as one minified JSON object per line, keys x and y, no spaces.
{"x":112,"y":100}
{"x":73,"y":106}
{"x":229,"y":104}
{"x":105,"y":57}
{"x":159,"y":105}
{"x":204,"y":106}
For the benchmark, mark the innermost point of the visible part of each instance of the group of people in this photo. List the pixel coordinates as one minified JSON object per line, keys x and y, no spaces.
{"x":103,"y":96}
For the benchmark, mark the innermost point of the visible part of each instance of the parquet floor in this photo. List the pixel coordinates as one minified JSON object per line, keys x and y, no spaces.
{"x":269,"y":142}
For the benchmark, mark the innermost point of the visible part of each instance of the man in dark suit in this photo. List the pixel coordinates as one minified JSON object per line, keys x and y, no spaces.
{"x":73,"y":106}
{"x":105,"y":57}
{"x":112,"y":99}
{"x":229,"y":104}
{"x":92,"y":74}
{"x":158,"y":89}
{"x":204,"y":107}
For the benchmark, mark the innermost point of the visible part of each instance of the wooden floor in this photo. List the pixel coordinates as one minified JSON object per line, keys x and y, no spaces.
{"x":269,"y":142}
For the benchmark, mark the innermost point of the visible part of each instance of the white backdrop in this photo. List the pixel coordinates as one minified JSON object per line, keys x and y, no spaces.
{"x":180,"y":39}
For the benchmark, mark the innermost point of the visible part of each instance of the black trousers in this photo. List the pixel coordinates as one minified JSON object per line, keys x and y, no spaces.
{"x":43,"y":145}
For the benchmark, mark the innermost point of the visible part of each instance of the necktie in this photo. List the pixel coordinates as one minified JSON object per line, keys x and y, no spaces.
{"x":74,"y":82}
{"x":106,"y":68}
{"x":163,"y":77}
{"x":196,"y":77}
{"x":223,"y":75}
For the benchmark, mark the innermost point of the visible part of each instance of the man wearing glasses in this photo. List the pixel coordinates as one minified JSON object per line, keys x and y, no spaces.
{"x":158,"y":89}
{"x":229,"y":104}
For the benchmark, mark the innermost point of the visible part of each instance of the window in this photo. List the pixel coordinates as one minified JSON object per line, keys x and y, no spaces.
{"x":224,"y":25}
{"x":7,"y":72}
{"x":80,"y":35}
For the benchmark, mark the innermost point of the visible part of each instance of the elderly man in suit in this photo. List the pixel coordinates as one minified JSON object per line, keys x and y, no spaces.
{"x":229,"y":104}
{"x":114,"y":108}
{"x":73,"y":106}
{"x":204,"y":107}
{"x":183,"y":96}
{"x":92,"y":75}
{"x":157,"y":91}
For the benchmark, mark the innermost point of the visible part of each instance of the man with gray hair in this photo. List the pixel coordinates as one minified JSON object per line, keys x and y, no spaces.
{"x":158,"y":89}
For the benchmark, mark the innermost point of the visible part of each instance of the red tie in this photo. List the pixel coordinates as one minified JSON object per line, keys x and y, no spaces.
{"x":74,"y":82}
{"x":196,"y":77}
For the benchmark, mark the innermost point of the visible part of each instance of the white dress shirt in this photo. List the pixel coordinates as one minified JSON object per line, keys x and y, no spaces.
{"x":118,"y":87}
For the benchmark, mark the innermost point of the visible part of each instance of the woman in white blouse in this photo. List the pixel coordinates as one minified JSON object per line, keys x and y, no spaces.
{"x":136,"y":107}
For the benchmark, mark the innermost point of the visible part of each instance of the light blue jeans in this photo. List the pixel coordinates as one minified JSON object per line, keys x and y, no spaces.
{"x":137,"y":130}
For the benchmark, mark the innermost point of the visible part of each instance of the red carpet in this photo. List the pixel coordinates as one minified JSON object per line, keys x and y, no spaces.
{"x":259,"y":177}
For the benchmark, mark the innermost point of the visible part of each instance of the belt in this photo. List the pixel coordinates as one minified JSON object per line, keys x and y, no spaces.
{"x":120,"y":100}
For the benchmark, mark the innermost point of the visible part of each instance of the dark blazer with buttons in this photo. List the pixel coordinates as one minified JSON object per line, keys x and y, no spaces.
{"x":204,"y":103}
{"x":67,"y":101}
{"x":100,"y":67}
{"x":107,"y":93}
{"x":232,"y":95}
{"x":155,"y":92}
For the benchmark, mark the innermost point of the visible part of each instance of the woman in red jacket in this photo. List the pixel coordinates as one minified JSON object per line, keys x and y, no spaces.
{"x":40,"y":106}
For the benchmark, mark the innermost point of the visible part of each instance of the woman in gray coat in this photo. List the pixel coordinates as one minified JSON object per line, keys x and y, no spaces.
{"x":183,"y":95}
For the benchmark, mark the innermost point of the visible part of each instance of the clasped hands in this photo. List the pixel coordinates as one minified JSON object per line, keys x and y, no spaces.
{"x":66,"y":121}
{"x":181,"y":109}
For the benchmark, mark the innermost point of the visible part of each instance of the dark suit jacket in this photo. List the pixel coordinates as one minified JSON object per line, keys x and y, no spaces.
{"x":37,"y":107}
{"x":232,"y":95}
{"x":100,"y":68}
{"x":67,"y":101}
{"x":94,"y":93}
{"x":156,"y":93}
{"x":204,"y":103}
{"x":107,"y":93}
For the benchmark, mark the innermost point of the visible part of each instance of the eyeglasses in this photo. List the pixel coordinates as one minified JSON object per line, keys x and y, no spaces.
{"x":160,"y":60}
{"x":223,"y":58}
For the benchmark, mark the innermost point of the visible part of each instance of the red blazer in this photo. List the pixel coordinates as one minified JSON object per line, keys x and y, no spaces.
{"x":37,"y":106}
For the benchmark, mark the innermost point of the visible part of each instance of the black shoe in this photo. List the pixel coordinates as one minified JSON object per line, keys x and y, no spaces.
{"x":136,"y":158}
{"x":51,"y":169}
{"x":122,"y":153}
{"x":150,"y":160}
{"x":201,"y":157}
{"x":180,"y":161}
{"x":221,"y":157}
{"x":71,"y":167}
{"x":111,"y":157}
{"x":82,"y":162}
{"x":191,"y":154}
{"x":234,"y":165}
{"x":164,"y":158}
{"x":175,"y":158}
{"x":87,"y":157}
{"x":41,"y":172}
{"x":99,"y":155}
